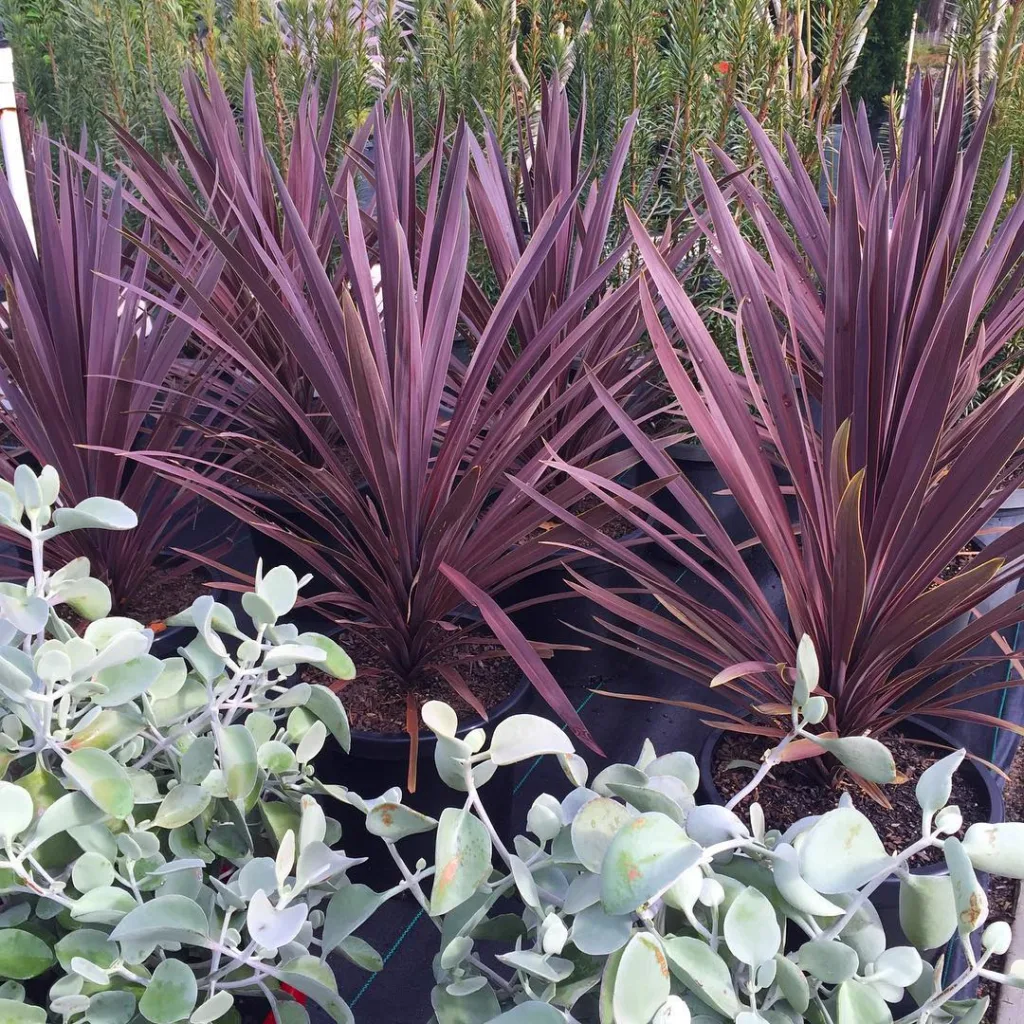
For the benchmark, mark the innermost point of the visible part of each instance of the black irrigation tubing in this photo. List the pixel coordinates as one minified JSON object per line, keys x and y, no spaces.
{"x":408,"y":929}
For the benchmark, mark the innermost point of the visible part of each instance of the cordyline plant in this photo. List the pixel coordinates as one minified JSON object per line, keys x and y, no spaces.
{"x":428,"y":520}
{"x":881,"y":318}
{"x":507,"y":210}
{"x":223,"y":171}
{"x":87,"y":365}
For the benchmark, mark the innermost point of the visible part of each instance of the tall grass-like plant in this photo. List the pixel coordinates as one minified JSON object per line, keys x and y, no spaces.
{"x":87,"y":366}
{"x":225,"y":171}
{"x":682,"y":65}
{"x":430,"y":522}
{"x":863,"y":334}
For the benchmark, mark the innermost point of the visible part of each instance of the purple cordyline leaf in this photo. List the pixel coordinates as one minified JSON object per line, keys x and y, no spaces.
{"x":863,"y":335}
{"x":525,"y":656}
{"x":87,"y":367}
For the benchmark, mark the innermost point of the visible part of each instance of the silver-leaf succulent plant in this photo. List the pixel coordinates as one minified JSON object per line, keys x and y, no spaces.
{"x":638,"y":905}
{"x":164,"y":851}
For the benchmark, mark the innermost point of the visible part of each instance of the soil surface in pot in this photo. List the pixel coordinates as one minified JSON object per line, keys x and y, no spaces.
{"x":163,"y":593}
{"x":377,"y":703}
{"x":793,"y":791}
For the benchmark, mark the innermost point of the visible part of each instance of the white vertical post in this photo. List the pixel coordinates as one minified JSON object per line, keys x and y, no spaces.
{"x":10,"y":139}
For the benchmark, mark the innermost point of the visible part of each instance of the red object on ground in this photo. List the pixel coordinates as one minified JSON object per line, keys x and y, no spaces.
{"x":723,"y":67}
{"x":299,"y":997}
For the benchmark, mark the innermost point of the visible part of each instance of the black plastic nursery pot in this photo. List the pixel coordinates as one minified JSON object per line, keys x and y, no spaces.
{"x":886,"y":897}
{"x":1009,"y":515}
{"x":377,"y":762}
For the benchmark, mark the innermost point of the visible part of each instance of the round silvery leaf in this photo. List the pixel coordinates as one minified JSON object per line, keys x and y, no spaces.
{"x":312,"y":743}
{"x":949,"y":820}
{"x":16,"y":811}
{"x":396,"y":821}
{"x":575,"y":768}
{"x":829,"y":961}
{"x":259,"y":610}
{"x":261,"y":725}
{"x":259,"y":873}
{"x":789,"y":882}
{"x":272,"y":928}
{"x":213,"y":1009}
{"x":927,"y":910}
{"x":522,"y":737}
{"x":198,"y":760}
{"x":685,"y":891}
{"x":462,"y":860}
{"x":867,"y":757}
{"x":537,"y":965}
{"x":680,"y":765}
{"x":792,"y":983}
{"x":89,"y":971}
{"x":238,"y":754}
{"x":103,"y":905}
{"x":544,"y":819}
{"x":899,"y":965}
{"x":807,"y":670}
{"x":439,"y":718}
{"x":643,"y":860}
{"x":599,"y":934}
{"x":279,"y":588}
{"x":93,"y":513}
{"x":841,"y":852}
{"x":641,"y":981}
{"x":709,"y":824}
{"x":815,"y":709}
{"x":860,"y":1004}
{"x":326,"y":705}
{"x":102,"y":779}
{"x":996,"y":938}
{"x":553,"y":934}
{"x":276,"y":757}
{"x":594,"y":827}
{"x":88,"y":943}
{"x":49,"y":485}
{"x":968,"y":893}
{"x":996,"y":848}
{"x":936,"y":782}
{"x":336,"y":662}
{"x":164,"y":919}
{"x":22,"y":954}
{"x":171,"y":993}
{"x":618,"y":774}
{"x":182,"y":804}
{"x":69,"y":1005}
{"x":92,"y":870}
{"x":112,"y":1007}
{"x":27,"y":488}
{"x":751,"y":929}
{"x":456,"y":951}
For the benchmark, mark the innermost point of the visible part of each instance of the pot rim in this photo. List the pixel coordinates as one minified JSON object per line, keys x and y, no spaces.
{"x":987,"y":778}
{"x":401,"y":740}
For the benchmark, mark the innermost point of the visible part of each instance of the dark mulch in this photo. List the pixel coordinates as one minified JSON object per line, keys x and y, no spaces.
{"x":616,"y":528}
{"x":796,"y":790}
{"x":376,"y":703}
{"x":163,"y":594}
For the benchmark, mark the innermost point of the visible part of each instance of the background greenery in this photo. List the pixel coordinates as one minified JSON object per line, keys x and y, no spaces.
{"x":682,"y":64}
